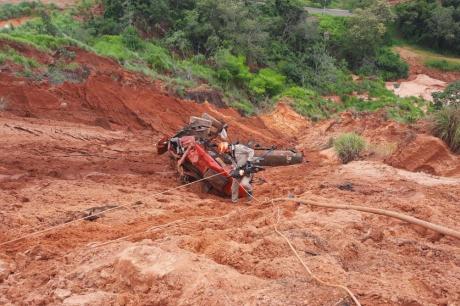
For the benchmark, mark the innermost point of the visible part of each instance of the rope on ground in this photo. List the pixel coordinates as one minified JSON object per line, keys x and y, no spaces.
{"x":275,"y":225}
{"x":36,"y":233}
{"x":318,"y":201}
{"x":312,"y":275}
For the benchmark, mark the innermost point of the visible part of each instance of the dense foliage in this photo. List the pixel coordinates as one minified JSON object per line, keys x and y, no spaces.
{"x":253,"y":53}
{"x":276,"y":33}
{"x":435,"y":24}
{"x":10,"y":11}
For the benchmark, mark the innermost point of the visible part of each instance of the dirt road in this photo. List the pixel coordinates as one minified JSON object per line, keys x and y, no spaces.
{"x":72,"y":148}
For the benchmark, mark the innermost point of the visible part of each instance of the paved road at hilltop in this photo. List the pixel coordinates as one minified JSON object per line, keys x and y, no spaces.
{"x":332,"y":12}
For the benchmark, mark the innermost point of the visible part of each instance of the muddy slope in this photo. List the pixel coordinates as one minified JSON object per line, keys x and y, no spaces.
{"x":70,"y":149}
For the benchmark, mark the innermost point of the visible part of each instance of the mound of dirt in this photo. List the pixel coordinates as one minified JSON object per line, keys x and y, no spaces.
{"x":427,"y":154}
{"x":421,"y":86}
{"x":115,"y":99}
{"x":204,"y":93}
{"x":70,"y":148}
{"x":375,"y":172}
{"x":285,"y":120}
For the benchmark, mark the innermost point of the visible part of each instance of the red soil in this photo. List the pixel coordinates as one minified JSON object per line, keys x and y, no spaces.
{"x":13,"y":22}
{"x":428,"y":154}
{"x":71,"y":147}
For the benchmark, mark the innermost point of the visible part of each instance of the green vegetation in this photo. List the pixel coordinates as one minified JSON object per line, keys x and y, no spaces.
{"x":434,"y":24}
{"x":449,"y":97}
{"x":9,"y":54}
{"x":446,"y":120}
{"x":390,"y":65}
{"x":446,"y":125}
{"x":112,"y":46}
{"x":254,"y":53}
{"x":443,"y":65}
{"x":244,"y":107}
{"x":10,"y":11}
{"x":309,"y":103}
{"x":349,"y":146}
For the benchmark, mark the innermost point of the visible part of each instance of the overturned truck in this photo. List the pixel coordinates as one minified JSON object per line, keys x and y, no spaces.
{"x":193,"y":153}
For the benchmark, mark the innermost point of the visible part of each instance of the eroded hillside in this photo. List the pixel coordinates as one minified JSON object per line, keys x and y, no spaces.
{"x":85,"y":146}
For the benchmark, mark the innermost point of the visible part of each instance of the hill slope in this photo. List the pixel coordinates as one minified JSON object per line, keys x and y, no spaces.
{"x":72,"y":147}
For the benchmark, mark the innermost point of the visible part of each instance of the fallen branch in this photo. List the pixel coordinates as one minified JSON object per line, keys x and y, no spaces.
{"x":317,"y":201}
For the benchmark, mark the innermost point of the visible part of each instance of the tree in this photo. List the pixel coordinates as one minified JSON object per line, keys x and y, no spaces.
{"x":444,"y":30}
{"x":430,"y":23}
{"x":366,"y":32}
{"x":323,"y":3}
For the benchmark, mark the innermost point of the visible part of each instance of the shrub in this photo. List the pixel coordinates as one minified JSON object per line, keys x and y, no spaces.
{"x":158,"y":58}
{"x":267,"y":82}
{"x":390,"y":65}
{"x":450,"y":96}
{"x":335,"y":26}
{"x":48,"y":24}
{"x":446,"y":125}
{"x":349,"y":146}
{"x":308,"y":103}
{"x":231,"y":67}
{"x":198,"y":71}
{"x":131,"y":39}
{"x":112,"y":46}
{"x":103,"y":26}
{"x":9,"y":11}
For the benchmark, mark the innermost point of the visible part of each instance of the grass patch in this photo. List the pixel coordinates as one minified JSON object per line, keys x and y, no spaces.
{"x":20,"y":40}
{"x":246,"y":108}
{"x":446,"y":125}
{"x":406,"y":110}
{"x":308,"y":103}
{"x":112,"y":46}
{"x":12,"y":55}
{"x":443,"y":65}
{"x":382,"y":150}
{"x":427,"y":55}
{"x":349,"y":146}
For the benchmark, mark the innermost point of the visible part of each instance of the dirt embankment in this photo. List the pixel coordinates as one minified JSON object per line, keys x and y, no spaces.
{"x":417,"y":67}
{"x":422,"y":80}
{"x":69,"y":149}
{"x":114,"y":98}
